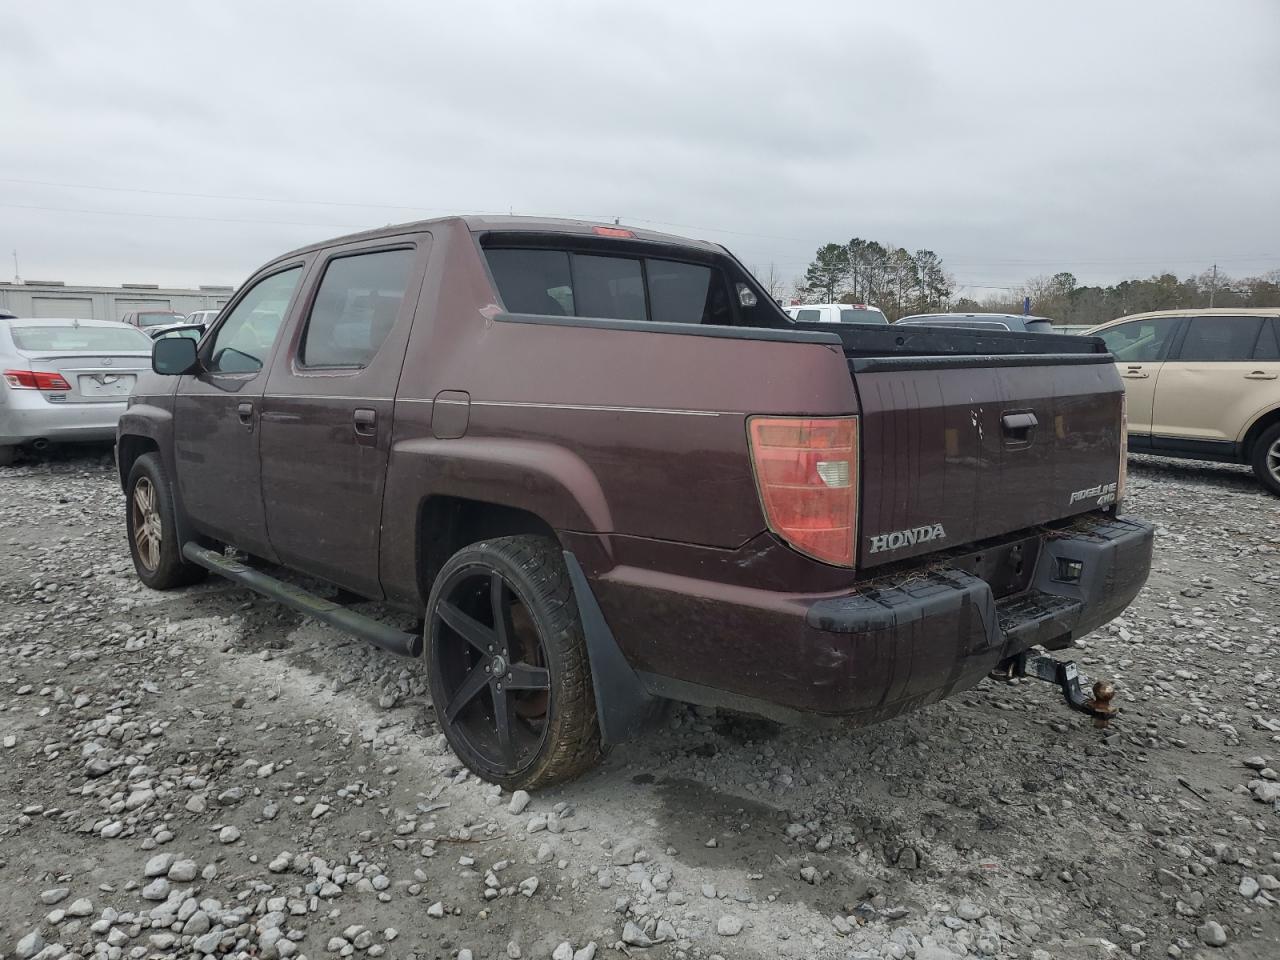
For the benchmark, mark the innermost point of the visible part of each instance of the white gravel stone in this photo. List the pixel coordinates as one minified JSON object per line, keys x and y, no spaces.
{"x":56,"y":895}
{"x":729,"y":925}
{"x":228,"y":835}
{"x":159,"y":865}
{"x":519,"y":800}
{"x":183,"y":871}
{"x":1211,"y":933}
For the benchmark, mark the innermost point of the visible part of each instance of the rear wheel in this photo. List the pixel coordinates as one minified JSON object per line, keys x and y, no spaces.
{"x":510,"y":678}
{"x":7,"y":455}
{"x":153,"y":532}
{"x":1266,"y":458}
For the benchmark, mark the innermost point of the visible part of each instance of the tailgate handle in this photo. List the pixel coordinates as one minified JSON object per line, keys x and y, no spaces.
{"x":1018,"y":426}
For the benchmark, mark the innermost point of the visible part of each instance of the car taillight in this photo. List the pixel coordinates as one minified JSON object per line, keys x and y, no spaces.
{"x":807,"y":473}
{"x":35,"y":380}
{"x":1123,"y":473}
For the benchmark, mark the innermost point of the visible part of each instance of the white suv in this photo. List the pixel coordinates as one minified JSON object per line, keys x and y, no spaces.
{"x":1202,"y":384}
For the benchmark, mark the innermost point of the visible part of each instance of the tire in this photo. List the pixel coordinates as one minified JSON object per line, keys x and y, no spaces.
{"x":7,"y":455}
{"x":149,"y":517}
{"x":548,"y":703}
{"x":1266,"y":458}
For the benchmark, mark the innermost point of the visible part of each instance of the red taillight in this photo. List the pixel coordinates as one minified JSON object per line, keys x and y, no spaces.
{"x":618,"y":232}
{"x":35,"y":380}
{"x":807,"y":472}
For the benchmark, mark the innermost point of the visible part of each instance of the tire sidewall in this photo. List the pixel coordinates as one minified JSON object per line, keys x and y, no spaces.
{"x":1263,"y":444}
{"x":483,"y":557}
{"x":171,"y":570}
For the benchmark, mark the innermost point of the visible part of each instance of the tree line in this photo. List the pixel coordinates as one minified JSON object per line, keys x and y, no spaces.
{"x":901,"y":283}
{"x":1062,"y":299}
{"x":867,"y":271}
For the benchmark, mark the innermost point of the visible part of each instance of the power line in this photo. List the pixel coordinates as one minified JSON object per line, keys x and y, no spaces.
{"x":374,"y":205}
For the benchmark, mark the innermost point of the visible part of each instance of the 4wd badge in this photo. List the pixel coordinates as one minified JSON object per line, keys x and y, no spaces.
{"x":1105,"y":492}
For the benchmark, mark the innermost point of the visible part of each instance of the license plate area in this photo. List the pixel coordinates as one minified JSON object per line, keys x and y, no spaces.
{"x":113,"y":385}
{"x":1007,"y":567}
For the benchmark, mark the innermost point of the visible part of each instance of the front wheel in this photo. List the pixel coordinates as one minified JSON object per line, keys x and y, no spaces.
{"x":153,"y":532}
{"x":510,"y":677}
{"x":1266,"y":458}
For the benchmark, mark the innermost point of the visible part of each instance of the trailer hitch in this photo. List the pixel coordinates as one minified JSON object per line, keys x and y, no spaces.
{"x":1067,"y":677}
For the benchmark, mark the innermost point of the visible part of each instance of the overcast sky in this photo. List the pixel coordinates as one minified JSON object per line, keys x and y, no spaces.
{"x":1111,"y":139}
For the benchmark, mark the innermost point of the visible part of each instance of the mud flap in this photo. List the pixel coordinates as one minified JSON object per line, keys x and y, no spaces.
{"x":624,"y":708}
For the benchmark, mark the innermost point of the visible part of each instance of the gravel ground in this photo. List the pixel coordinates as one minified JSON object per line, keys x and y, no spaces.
{"x":201,"y":772}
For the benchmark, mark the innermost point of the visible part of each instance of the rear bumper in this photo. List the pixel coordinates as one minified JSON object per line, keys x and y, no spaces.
{"x":904,"y":641}
{"x":32,"y":418}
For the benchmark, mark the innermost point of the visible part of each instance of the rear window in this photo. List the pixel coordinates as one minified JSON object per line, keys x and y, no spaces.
{"x":569,"y":284}
{"x":83,"y":339}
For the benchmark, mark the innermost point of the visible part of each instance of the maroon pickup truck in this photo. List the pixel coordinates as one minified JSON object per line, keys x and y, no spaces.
{"x":607,"y":471}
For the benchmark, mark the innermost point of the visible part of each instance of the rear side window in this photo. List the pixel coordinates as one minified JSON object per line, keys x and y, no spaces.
{"x":355,"y":308}
{"x":808,"y":316}
{"x":855,"y":315}
{"x":568,"y":284}
{"x":1268,"y":347}
{"x":1140,"y":341}
{"x":1220,"y":338}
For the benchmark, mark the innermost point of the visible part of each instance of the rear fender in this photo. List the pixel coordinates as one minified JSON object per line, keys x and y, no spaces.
{"x":543,"y":479}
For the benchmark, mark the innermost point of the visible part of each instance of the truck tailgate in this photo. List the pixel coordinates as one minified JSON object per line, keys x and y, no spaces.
{"x":955,"y":449}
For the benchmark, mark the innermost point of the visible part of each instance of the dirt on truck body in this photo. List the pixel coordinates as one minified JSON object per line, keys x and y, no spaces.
{"x":607,"y":470}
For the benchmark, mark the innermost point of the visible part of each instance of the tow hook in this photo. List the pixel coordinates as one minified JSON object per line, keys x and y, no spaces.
{"x":1066,"y":675}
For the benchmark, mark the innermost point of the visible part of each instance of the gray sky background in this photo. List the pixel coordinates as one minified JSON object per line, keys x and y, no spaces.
{"x":1111,"y":139}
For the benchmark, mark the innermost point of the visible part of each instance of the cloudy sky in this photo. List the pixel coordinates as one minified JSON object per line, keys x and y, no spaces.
{"x":185,"y":143}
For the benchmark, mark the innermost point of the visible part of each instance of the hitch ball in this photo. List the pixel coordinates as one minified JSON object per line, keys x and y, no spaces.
{"x":1100,"y":706}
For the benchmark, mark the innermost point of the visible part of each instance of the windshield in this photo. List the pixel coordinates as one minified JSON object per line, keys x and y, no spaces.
{"x":862,"y":315}
{"x":81,"y":339}
{"x":157,"y":319}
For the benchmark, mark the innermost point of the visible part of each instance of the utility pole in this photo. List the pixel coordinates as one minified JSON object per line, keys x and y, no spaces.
{"x":17,"y":278}
{"x":1213,"y":285}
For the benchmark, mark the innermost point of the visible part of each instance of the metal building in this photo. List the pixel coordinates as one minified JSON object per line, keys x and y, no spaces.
{"x":51,"y":298}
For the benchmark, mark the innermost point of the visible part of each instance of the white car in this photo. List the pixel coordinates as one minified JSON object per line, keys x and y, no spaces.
{"x":65,"y":380}
{"x":836,"y":313}
{"x":202,"y":318}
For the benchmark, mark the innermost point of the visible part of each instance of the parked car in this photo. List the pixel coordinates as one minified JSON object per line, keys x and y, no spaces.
{"x":6,"y":315}
{"x":202,"y":318}
{"x":189,"y":331}
{"x":836,"y":313}
{"x":606,"y":469}
{"x":65,"y":380}
{"x":1202,"y":384}
{"x":153,"y":321}
{"x":982,"y":321}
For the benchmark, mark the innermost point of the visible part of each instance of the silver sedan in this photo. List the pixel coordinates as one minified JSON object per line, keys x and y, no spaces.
{"x":65,"y":380}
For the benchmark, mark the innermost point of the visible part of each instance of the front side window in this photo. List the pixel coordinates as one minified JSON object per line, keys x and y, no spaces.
{"x":1140,"y":341}
{"x":355,"y":308}
{"x":1220,"y":338}
{"x":244,"y":340}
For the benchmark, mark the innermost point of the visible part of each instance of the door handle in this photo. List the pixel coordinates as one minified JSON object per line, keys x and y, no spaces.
{"x":244,"y":410}
{"x":1018,"y":426}
{"x":1135,"y":373}
{"x":1261,"y":375}
{"x":365,"y":421}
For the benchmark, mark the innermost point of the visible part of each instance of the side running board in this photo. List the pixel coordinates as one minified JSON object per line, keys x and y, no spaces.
{"x":334,"y":614}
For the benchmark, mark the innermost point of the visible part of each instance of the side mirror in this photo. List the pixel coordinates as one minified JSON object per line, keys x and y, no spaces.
{"x":174,"y":356}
